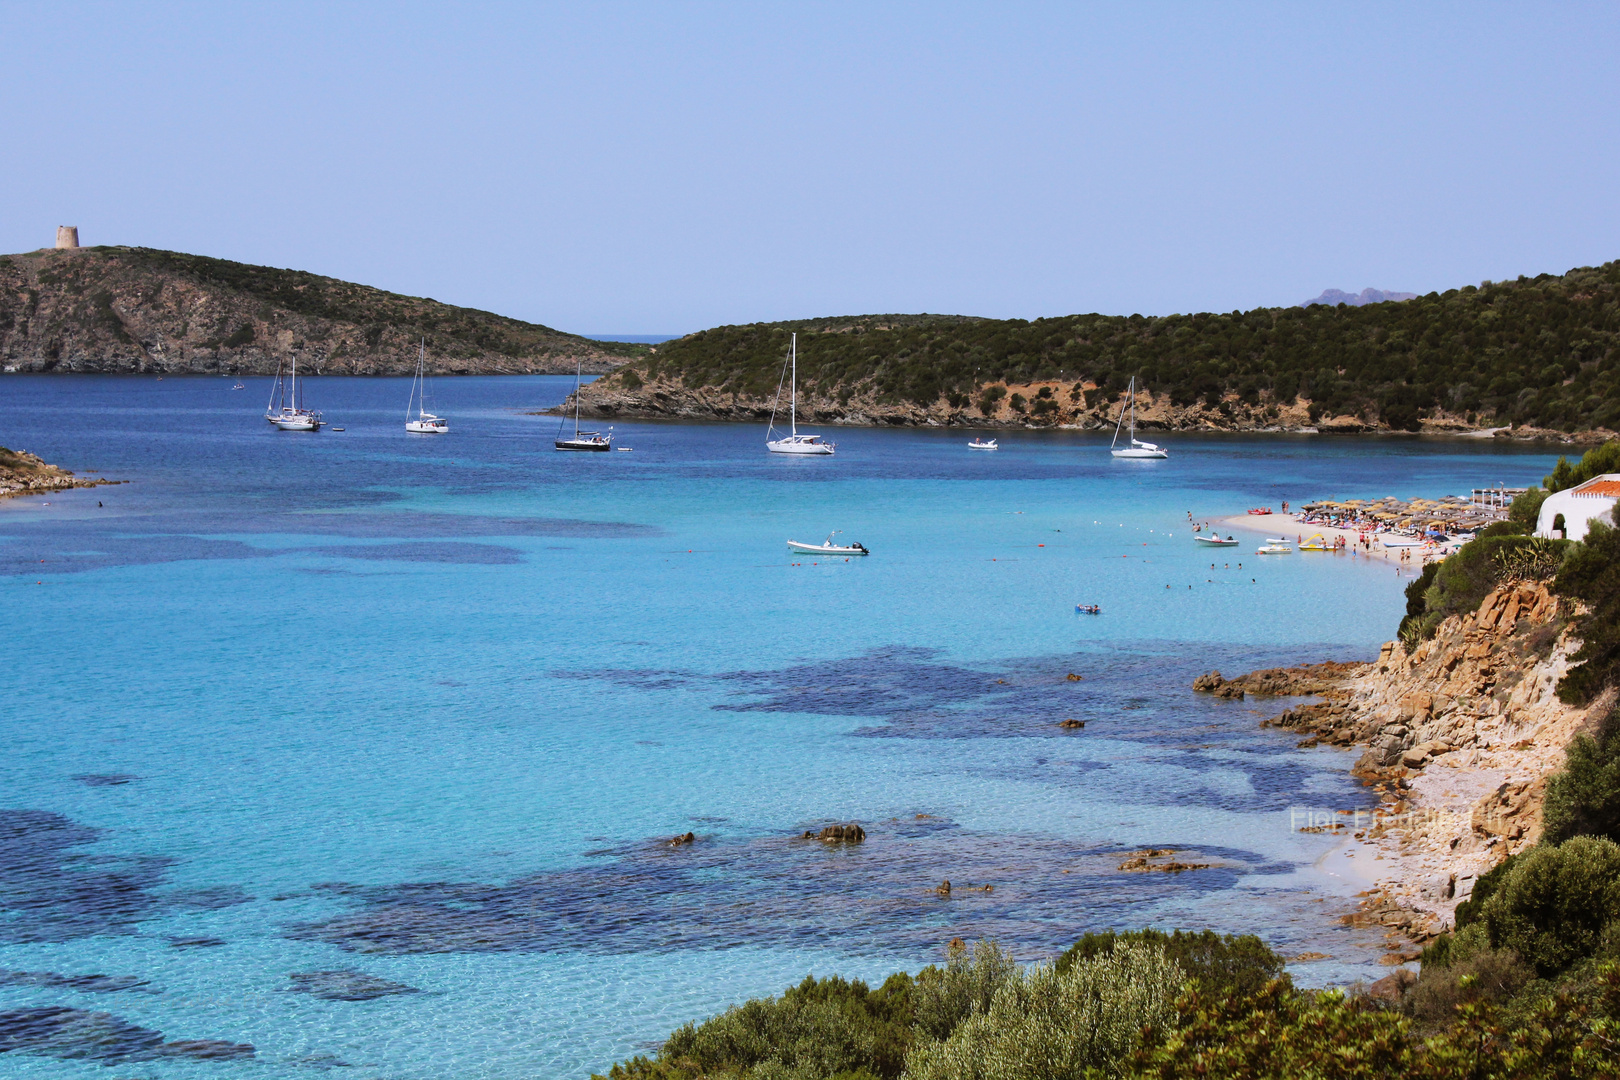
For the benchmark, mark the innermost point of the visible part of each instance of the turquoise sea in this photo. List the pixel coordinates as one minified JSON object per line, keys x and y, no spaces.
{"x":365,"y":749}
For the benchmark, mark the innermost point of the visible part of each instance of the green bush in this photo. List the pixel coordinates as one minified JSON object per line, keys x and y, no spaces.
{"x":1218,"y":964}
{"x":1503,"y":528}
{"x":1595,"y":462}
{"x":1473,"y":570}
{"x":1046,"y":1023}
{"x":1526,"y":509}
{"x":1416,"y":608}
{"x":1584,"y":799}
{"x":1554,"y":904}
{"x":1591,"y":574}
{"x":1486,"y":975}
{"x":829,"y":1029}
{"x":943,"y":997}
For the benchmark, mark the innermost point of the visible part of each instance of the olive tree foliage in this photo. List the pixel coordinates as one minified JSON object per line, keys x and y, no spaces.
{"x":943,"y":997}
{"x":1043,"y":1024}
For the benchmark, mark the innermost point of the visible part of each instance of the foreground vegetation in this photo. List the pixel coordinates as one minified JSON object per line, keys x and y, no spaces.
{"x":1542,"y":351}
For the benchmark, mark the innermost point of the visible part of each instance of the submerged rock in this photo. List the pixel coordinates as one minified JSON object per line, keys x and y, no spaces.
{"x":346,"y":985}
{"x":837,"y":834}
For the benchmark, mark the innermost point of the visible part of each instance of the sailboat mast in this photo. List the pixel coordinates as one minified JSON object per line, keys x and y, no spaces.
{"x":579,"y":367}
{"x":793,"y":387}
{"x":295,"y":381}
{"x":1133,"y":410}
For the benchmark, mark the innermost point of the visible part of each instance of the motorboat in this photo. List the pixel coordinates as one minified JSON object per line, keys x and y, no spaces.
{"x":793,"y":442}
{"x":1216,"y":541}
{"x":1400,"y":542}
{"x":239,"y":386}
{"x":1272,"y":548}
{"x":1087,"y":609}
{"x":980,"y":444}
{"x":827,"y":547}
{"x":582,"y":440}
{"x":424,"y":423}
{"x":286,"y":408}
{"x":1137,"y":448}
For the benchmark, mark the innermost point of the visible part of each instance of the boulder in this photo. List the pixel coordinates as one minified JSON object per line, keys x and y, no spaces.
{"x":1072,"y":723}
{"x":684,"y":838}
{"x":1393,"y":987}
{"x":838,"y":834}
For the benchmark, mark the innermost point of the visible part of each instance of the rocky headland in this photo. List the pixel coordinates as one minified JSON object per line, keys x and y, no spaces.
{"x":22,"y":473}
{"x":1460,"y":734}
{"x":1074,"y":406}
{"x":125,"y":309}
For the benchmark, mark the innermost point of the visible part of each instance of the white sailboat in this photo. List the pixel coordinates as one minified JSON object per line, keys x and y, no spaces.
{"x":286,"y":410}
{"x":793,"y":443}
{"x":425,"y":423}
{"x":582,"y":440}
{"x":1136,"y":449}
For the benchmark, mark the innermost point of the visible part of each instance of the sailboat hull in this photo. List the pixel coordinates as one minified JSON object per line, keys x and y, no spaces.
{"x":583,"y":444}
{"x":788,"y":446}
{"x":1138,"y":452}
{"x":427,"y":427}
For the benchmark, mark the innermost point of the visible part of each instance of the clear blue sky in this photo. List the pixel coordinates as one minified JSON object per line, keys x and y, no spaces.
{"x":649,"y":168}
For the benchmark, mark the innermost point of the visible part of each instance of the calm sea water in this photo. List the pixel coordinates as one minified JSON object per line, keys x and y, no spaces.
{"x":365,"y":748}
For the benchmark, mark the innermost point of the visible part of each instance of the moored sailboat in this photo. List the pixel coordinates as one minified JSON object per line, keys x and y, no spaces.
{"x":424,"y":423}
{"x":582,"y":440}
{"x":793,"y":442}
{"x":286,"y":408}
{"x":1137,"y":448}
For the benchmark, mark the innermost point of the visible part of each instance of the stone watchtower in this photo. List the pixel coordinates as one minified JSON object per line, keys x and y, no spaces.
{"x":67,"y":236}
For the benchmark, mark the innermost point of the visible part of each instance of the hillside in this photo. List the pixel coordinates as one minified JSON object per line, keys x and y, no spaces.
{"x":1540,"y":354}
{"x":121,"y":309}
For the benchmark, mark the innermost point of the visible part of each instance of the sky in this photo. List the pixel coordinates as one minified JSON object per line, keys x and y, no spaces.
{"x":658,"y":168}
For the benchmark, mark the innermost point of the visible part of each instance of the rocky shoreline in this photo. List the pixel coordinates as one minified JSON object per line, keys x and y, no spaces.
{"x":1045,"y":405}
{"x":22,"y":473}
{"x":1460,"y":736}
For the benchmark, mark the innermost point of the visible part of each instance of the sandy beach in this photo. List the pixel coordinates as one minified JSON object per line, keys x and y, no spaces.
{"x":1289,"y":525}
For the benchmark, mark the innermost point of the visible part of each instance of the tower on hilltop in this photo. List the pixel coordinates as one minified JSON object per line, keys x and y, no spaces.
{"x":67,"y":236}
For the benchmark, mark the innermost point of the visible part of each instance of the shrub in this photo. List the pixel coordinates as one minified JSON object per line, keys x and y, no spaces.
{"x":1487,"y":975}
{"x":1526,"y":509}
{"x":991,"y":398}
{"x":1554,"y":903}
{"x":1415,"y":606}
{"x":1584,"y":799}
{"x":818,"y":1030}
{"x":1046,"y":1023}
{"x":629,"y":379}
{"x":943,"y":997}
{"x":1017,"y":402}
{"x":1229,"y":964}
{"x":243,"y":335}
{"x":1503,"y":528}
{"x":1591,"y":575}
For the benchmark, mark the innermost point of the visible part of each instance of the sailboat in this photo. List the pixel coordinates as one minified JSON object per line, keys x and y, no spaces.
{"x":793,"y":443}
{"x":1136,"y":449}
{"x":582,"y":440}
{"x":425,"y":423}
{"x":286,"y":409}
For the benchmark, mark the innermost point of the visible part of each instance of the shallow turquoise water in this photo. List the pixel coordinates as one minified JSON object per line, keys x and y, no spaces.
{"x":427,"y":710}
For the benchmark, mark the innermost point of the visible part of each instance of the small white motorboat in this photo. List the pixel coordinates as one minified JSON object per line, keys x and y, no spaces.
{"x":1214,"y":540}
{"x":1272,"y":548}
{"x":980,"y":444}
{"x":1400,"y":542}
{"x":827,"y":547}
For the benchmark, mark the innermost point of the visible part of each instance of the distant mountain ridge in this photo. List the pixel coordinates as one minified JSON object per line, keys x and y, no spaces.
{"x":126,"y":309}
{"x":1334,"y":297}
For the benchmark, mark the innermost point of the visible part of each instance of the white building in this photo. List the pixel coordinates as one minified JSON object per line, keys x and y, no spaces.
{"x":1568,"y":513}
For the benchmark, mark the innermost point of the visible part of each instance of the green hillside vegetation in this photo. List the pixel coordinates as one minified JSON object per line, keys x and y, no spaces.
{"x":1542,"y":351}
{"x":126,"y":309}
{"x":342,"y":301}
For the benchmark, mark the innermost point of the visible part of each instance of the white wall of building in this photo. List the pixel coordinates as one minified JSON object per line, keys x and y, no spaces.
{"x":1579,"y":510}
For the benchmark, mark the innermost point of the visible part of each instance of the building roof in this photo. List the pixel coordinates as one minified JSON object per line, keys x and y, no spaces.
{"x":1607,"y":485}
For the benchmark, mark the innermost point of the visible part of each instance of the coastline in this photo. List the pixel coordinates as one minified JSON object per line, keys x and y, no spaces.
{"x":1263,"y":524}
{"x":1459,"y":736}
{"x":22,"y":473}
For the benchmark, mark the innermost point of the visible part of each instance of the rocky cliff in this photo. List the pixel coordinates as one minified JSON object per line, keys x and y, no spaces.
{"x":1072,"y":406}
{"x":119,"y":309}
{"x":1461,"y":734}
